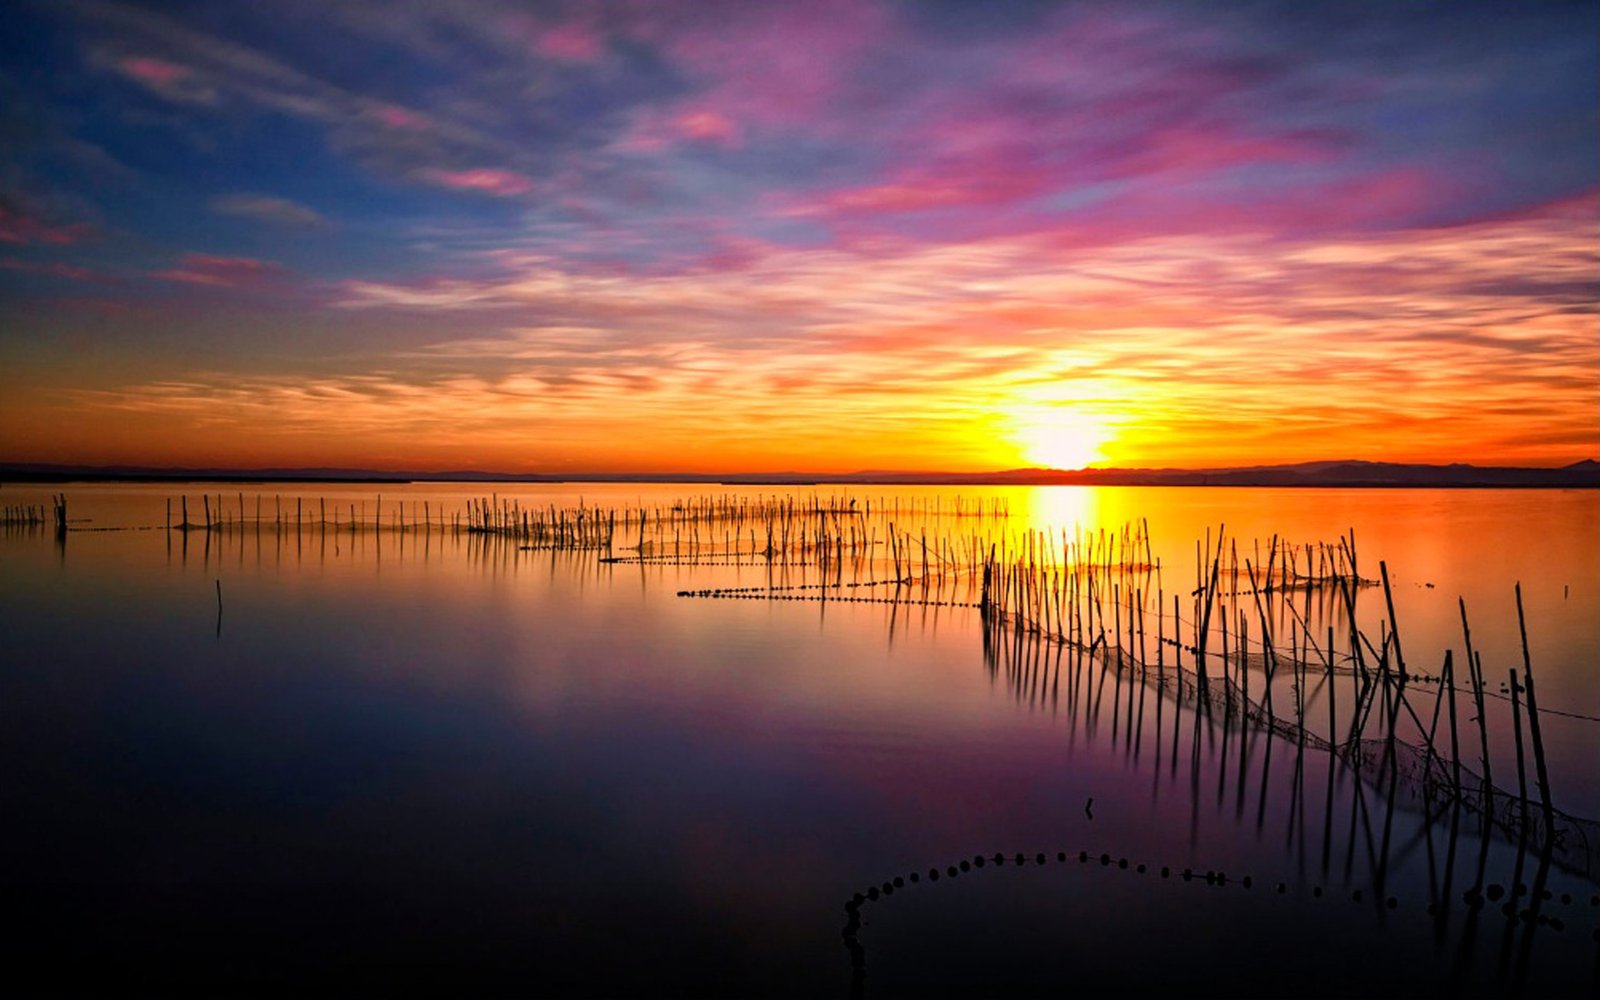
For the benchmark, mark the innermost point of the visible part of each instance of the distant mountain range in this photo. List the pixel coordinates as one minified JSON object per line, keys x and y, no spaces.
{"x":1584,"y":475}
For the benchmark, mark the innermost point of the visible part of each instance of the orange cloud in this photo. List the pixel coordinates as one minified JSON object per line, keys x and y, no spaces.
{"x":1470,"y":343}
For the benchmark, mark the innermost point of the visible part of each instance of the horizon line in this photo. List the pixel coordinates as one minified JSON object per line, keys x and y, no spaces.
{"x":1334,"y":472}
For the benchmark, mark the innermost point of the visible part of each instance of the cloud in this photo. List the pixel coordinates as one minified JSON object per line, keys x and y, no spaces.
{"x":211,"y":73}
{"x":152,"y":71}
{"x":772,"y":64}
{"x":571,"y":42}
{"x":18,"y":225}
{"x":500,"y":183}
{"x":861,"y":120}
{"x":427,"y":294}
{"x":707,"y":126}
{"x":264,"y":208}
{"x":395,"y":116}
{"x":168,"y":79}
{"x":222,"y":272}
{"x":1166,"y":341}
{"x":655,"y":133}
{"x":50,"y":269}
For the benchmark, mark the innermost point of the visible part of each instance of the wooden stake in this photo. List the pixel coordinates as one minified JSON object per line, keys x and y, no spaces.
{"x":1533,"y":723}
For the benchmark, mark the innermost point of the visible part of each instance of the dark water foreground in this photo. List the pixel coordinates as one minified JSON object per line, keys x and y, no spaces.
{"x":438,"y":762}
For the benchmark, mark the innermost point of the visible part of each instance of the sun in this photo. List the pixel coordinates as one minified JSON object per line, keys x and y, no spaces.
{"x":1059,"y":438}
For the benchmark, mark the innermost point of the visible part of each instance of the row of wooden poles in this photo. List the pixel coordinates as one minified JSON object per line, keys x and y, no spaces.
{"x":830,"y":541}
{"x":495,"y":513}
{"x":949,"y":559}
{"x":37,"y":516}
{"x":34,"y":516}
{"x":1100,"y":606}
{"x":579,"y":527}
{"x":23,"y":516}
{"x":785,"y":529}
{"x":778,"y":529}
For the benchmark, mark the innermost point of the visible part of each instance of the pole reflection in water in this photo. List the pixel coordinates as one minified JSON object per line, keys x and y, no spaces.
{"x":1393,"y":813}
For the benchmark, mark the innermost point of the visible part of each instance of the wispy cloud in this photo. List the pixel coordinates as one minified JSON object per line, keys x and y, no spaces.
{"x":50,"y":269}
{"x":192,"y":67}
{"x":265,"y":208}
{"x":501,"y":183}
{"x":19,"y":226}
{"x":221,"y":272}
{"x":1374,"y":346}
{"x":168,"y":79}
{"x":570,"y":42}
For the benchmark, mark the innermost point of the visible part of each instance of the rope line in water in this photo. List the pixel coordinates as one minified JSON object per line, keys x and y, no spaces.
{"x":823,"y":599}
{"x":1475,"y":897}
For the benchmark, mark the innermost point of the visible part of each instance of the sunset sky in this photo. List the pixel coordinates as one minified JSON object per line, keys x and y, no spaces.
{"x":657,"y":236}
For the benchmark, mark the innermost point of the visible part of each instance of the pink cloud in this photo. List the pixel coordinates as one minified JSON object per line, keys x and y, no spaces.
{"x":1016,"y":132}
{"x":20,"y":227}
{"x":1394,"y":198}
{"x":645,"y":138}
{"x":1005,"y":146}
{"x":500,"y":183}
{"x":756,"y":66}
{"x":655,"y":132}
{"x":1581,"y":207}
{"x":1187,"y":195}
{"x":398,"y":117}
{"x":775,"y":63}
{"x":49,"y":269}
{"x":1195,"y":152}
{"x":153,"y":72}
{"x":170,"y":80}
{"x":225,"y":272}
{"x":706,"y":126}
{"x":921,"y":194}
{"x":575,"y":40}
{"x":570,"y":42}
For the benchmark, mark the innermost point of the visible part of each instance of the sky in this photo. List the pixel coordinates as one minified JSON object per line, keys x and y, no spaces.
{"x":822,"y":236}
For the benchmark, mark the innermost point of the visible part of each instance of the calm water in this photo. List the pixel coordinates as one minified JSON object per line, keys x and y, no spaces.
{"x":434,"y":759}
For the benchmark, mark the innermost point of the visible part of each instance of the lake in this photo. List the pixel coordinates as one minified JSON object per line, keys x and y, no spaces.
{"x":343,"y":744}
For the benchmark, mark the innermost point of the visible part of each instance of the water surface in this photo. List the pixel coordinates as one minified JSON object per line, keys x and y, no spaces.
{"x":425,"y":756}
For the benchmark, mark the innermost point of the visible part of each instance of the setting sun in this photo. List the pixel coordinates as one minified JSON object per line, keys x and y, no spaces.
{"x":1061,"y":438}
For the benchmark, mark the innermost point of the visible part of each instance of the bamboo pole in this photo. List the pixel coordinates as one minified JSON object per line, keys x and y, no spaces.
{"x":1533,"y":722}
